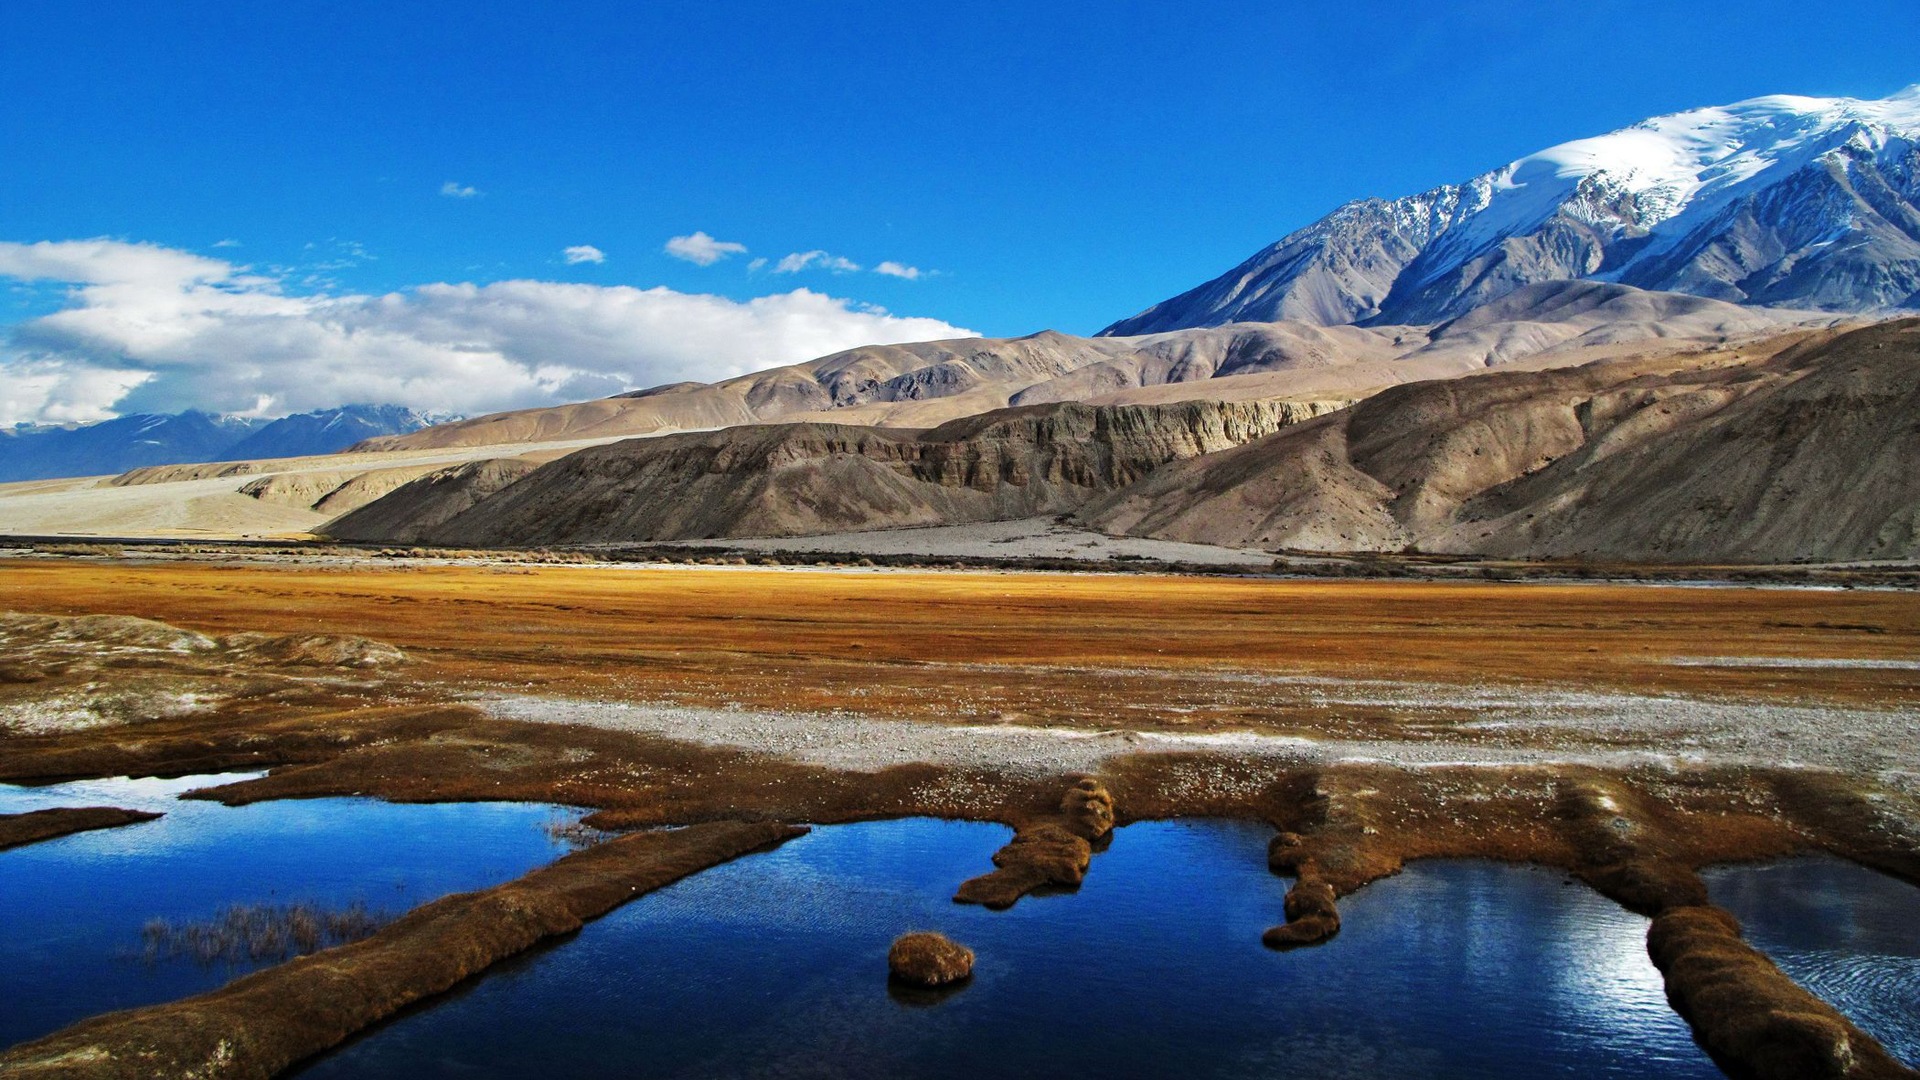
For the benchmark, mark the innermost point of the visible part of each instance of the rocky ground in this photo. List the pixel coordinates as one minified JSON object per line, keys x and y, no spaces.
{"x":1459,"y":725}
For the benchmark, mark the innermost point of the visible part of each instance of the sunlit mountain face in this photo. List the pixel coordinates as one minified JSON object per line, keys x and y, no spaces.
{"x":1781,"y":201}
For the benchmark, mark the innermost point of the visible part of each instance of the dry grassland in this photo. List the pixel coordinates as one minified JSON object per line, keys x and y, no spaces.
{"x":945,"y":645}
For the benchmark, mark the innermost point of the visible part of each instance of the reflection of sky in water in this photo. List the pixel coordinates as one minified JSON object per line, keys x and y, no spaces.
{"x":133,"y":793}
{"x":73,"y":908}
{"x":775,"y":965}
{"x":1847,"y":933}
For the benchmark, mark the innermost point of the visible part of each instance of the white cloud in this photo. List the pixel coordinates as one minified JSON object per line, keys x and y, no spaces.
{"x":108,"y":263}
{"x":702,"y":249}
{"x":803,"y":260}
{"x":454,"y":189}
{"x":154,"y":329}
{"x":900,"y":270}
{"x":584,"y":253}
{"x":50,"y":392}
{"x":227,"y":243}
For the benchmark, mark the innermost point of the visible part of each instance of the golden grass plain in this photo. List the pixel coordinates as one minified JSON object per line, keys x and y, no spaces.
{"x":1056,"y":647}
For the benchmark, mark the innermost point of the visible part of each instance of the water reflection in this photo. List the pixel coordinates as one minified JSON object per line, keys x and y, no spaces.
{"x":73,"y":908}
{"x":775,"y":965}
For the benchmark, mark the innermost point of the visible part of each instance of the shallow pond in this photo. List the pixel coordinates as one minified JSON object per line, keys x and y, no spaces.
{"x":74,"y":908}
{"x":1847,"y":933}
{"x":775,"y":965}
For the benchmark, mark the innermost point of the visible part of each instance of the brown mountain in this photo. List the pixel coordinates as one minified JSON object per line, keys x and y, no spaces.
{"x":1799,"y":449}
{"x":810,"y":478}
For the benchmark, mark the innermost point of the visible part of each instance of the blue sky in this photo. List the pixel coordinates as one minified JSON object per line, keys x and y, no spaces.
{"x":1043,"y":165}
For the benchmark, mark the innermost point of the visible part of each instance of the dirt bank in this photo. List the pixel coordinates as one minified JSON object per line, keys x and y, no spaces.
{"x":1047,"y":850}
{"x":261,"y":1024}
{"x":17,"y":830}
{"x":1755,"y":1020}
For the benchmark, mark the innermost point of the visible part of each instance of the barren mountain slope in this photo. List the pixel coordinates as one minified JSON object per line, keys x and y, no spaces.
{"x":1801,"y":448}
{"x":796,"y":479}
{"x":407,"y":513}
{"x":929,"y":383}
{"x":878,"y":373}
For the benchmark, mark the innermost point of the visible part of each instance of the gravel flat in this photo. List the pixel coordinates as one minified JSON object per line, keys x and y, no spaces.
{"x":1509,"y":725}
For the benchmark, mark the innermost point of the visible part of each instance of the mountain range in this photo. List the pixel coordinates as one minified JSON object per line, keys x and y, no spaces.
{"x":1781,"y":201}
{"x":802,"y":479}
{"x":128,"y":442}
{"x":1797,"y":446}
{"x":1677,"y":342}
{"x":925,"y":384}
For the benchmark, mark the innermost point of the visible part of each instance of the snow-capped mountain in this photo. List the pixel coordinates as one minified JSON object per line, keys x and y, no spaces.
{"x":127,"y":442}
{"x":1779,"y":201}
{"x":325,"y":431}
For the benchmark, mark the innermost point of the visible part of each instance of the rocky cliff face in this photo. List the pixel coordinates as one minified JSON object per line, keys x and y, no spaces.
{"x":1802,"y":451}
{"x":1781,"y":201}
{"x":809,"y":478}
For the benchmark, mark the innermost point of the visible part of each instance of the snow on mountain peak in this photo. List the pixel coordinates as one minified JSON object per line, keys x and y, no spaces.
{"x":1671,"y":162}
{"x":1667,"y":174}
{"x":1745,"y":202}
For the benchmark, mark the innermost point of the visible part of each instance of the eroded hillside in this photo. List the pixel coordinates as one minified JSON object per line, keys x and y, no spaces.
{"x":796,"y":479}
{"x":1801,"y":454}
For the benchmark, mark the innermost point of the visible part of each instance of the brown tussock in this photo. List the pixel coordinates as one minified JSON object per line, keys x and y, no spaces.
{"x":929,"y":959}
{"x":1749,"y":1014}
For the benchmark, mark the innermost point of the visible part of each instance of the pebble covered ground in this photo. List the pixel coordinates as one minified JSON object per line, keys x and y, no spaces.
{"x":1509,"y":725}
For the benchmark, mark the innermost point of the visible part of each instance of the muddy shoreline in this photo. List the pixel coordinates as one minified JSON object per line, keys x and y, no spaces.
{"x":1637,"y":839}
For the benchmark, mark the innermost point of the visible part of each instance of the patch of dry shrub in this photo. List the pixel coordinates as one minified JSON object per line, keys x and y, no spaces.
{"x":243,"y":933}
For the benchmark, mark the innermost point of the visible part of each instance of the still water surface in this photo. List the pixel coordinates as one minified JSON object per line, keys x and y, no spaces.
{"x":774,"y":965}
{"x":72,"y":909}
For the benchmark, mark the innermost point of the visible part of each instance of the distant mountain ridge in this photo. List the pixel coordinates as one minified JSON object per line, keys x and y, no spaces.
{"x":129,"y":442}
{"x":924,"y":384}
{"x":327,"y":430}
{"x":1777,"y":201}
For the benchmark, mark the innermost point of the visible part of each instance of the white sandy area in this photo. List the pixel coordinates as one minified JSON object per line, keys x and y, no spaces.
{"x":212,"y":509}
